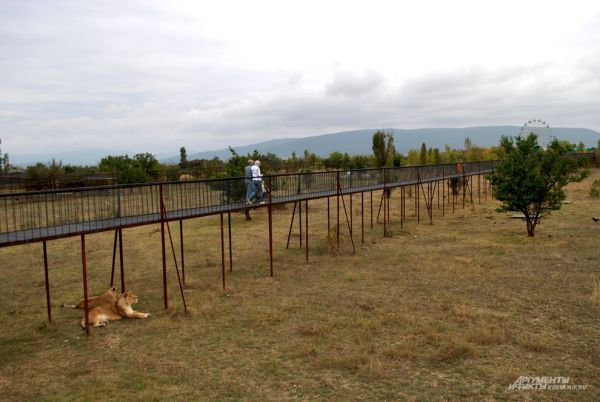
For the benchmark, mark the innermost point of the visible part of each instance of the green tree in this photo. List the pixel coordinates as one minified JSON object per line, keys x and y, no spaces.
{"x":335,"y":160}
{"x":147,"y":163}
{"x":449,"y":154}
{"x":182,"y":157}
{"x":597,"y":155}
{"x":127,"y":170}
{"x":437,"y":158}
{"x":530,"y":179}
{"x":423,"y":155}
{"x":413,"y":157}
{"x":383,"y":148}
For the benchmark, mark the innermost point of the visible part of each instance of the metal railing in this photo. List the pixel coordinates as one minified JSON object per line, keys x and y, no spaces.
{"x":39,"y":215}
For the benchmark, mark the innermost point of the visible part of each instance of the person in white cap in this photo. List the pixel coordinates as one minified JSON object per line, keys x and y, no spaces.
{"x":257,"y":192}
{"x":248,"y":180}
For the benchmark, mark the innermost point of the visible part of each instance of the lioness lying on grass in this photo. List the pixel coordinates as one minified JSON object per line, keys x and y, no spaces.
{"x":114,"y":310}
{"x":108,"y":296}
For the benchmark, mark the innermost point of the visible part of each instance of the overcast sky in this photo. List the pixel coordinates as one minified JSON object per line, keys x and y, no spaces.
{"x":157,"y":75}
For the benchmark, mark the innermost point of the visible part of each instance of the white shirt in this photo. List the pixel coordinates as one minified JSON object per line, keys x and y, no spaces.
{"x":256,"y":173}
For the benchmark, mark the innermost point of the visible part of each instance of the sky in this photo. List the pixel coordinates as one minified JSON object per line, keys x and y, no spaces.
{"x":152,"y":76}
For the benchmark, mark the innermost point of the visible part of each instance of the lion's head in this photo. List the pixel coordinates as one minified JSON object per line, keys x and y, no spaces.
{"x":129,"y":297}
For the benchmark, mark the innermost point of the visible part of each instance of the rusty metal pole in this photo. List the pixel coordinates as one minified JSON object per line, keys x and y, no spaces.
{"x":47,"y":282}
{"x":348,"y":223}
{"x":453,"y":197}
{"x":230,"y":245}
{"x":222,"y":251}
{"x":306,"y":218}
{"x":114,"y":260}
{"x":479,"y":183}
{"x":328,"y":223}
{"x":443,"y":191}
{"x":448,"y":190}
{"x":300,"y":222}
{"x":371,"y":209}
{"x":351,"y":214}
{"x":362,"y":217}
{"x":338,"y":209}
{"x":384,"y":200}
{"x":121,"y":260}
{"x":429,"y":199}
{"x":438,"y":195}
{"x":292,"y":222}
{"x":176,"y":267}
{"x":164,"y":254}
{"x":471,"y":192}
{"x":86,"y":306}
{"x":401,"y":207}
{"x":418,"y":197}
{"x":416,"y":193}
{"x":270,"y":209}
{"x":464,"y":192}
{"x":181,"y":251}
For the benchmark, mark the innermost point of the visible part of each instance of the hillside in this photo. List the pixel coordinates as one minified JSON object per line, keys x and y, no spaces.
{"x":359,"y":141}
{"x":352,"y":142}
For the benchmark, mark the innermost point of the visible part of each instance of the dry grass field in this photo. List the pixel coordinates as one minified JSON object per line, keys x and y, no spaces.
{"x":455,"y":310}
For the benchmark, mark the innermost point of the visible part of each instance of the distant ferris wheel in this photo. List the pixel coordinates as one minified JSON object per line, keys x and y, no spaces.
{"x":540,"y":128}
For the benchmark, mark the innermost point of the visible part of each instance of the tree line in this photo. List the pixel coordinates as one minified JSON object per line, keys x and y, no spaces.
{"x":144,"y":167}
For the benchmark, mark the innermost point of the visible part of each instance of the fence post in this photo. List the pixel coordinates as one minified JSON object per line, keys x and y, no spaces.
{"x":270,"y":210}
{"x":162,"y":239}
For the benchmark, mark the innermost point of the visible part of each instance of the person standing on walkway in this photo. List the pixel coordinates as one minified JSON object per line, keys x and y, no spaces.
{"x":257,"y":193}
{"x":248,"y":180}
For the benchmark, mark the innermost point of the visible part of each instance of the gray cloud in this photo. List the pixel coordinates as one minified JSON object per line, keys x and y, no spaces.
{"x":81,"y":75}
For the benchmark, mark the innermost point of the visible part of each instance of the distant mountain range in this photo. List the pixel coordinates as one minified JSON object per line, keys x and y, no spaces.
{"x":360,"y":141}
{"x":352,"y":142}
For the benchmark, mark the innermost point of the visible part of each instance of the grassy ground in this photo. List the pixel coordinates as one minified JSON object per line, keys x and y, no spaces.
{"x":457,"y":310}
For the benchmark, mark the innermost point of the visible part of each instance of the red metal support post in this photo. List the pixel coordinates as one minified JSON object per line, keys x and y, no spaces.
{"x":328,"y":223}
{"x":222,"y":251}
{"x":348,"y":222}
{"x":306,"y":217}
{"x":121,"y":260}
{"x":270,"y":209}
{"x":362,"y":216}
{"x":479,"y":183}
{"x":86,"y":307}
{"x":338,"y":210}
{"x":47,"y":281}
{"x":292,"y":222}
{"x":464,"y":192}
{"x":371,"y":209}
{"x":181,"y":250}
{"x":114,"y":259}
{"x":164,"y":253}
{"x":351,"y":214}
{"x":443,"y":191}
{"x":401,"y":207}
{"x":384,"y":200}
{"x":176,"y":266}
{"x":418,"y":198}
{"x":300,"y":222}
{"x":230,"y":245}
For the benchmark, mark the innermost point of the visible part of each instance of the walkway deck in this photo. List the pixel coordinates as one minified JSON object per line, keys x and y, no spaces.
{"x":36,"y":216}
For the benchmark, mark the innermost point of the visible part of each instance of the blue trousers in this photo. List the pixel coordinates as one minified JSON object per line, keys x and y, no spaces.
{"x":257,"y":192}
